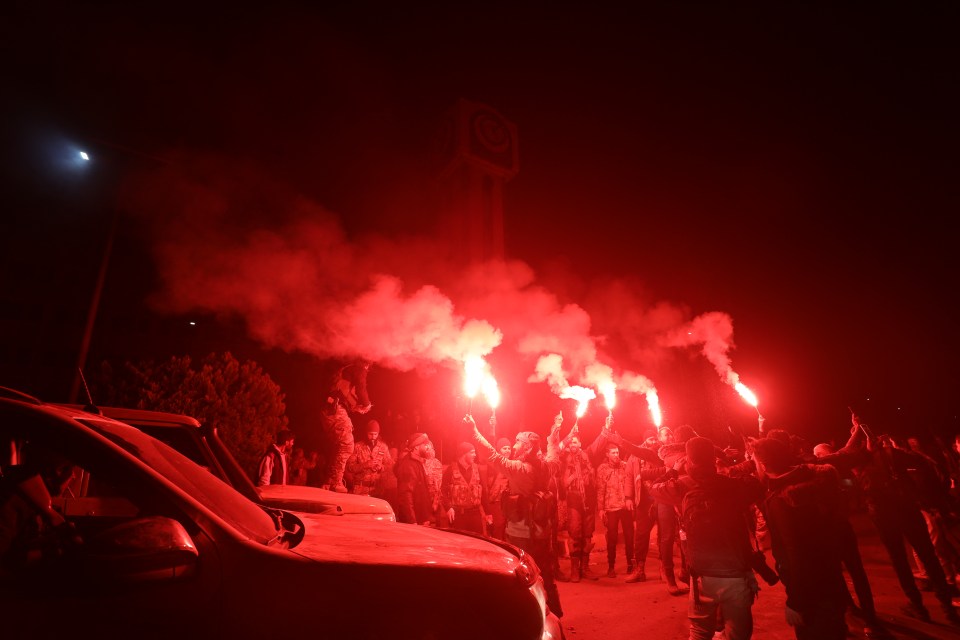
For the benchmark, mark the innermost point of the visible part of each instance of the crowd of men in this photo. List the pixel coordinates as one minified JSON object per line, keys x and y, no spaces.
{"x":715,"y":511}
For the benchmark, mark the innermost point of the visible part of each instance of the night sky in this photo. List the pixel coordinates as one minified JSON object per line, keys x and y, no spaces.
{"x":794,"y":170}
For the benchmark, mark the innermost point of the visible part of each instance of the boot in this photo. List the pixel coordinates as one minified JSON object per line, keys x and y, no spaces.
{"x":629,"y":566}
{"x":672,"y":587}
{"x":610,"y":572}
{"x":585,"y":571}
{"x":574,"y":569}
{"x":558,"y":573}
{"x":637,"y":575}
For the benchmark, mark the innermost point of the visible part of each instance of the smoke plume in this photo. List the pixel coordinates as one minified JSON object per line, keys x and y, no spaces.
{"x":229,"y":242}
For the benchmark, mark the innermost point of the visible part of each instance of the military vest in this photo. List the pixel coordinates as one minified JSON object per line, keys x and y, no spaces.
{"x":465,"y":494}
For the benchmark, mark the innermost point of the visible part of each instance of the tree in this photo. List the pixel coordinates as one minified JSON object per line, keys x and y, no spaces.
{"x":245,"y":405}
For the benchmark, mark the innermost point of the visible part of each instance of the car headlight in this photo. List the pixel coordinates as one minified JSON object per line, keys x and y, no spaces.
{"x":527,"y":571}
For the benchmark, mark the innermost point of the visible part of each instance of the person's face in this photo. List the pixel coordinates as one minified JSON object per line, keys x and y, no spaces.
{"x":665,"y":436}
{"x":913,"y":443}
{"x":650,"y":442}
{"x":288,"y":446}
{"x":372,"y":436}
{"x":468,"y":458}
{"x":575,"y":445}
{"x":613,"y":455}
{"x":427,"y":451}
{"x":821,"y":450}
{"x":505,"y":451}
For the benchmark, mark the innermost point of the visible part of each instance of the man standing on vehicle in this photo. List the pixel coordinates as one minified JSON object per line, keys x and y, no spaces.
{"x":273,"y":465}
{"x":347,"y":395}
{"x":529,"y":522}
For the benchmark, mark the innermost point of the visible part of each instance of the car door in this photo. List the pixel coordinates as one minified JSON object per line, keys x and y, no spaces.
{"x":113,"y":549}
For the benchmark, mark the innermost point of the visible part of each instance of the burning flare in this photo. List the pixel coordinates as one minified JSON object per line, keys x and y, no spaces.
{"x":746,"y":394}
{"x":582,"y":395}
{"x":608,"y":390}
{"x":474,"y":370}
{"x":653,"y":401}
{"x":491,"y":391}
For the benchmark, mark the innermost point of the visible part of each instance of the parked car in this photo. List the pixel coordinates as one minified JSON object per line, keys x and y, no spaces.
{"x":139,"y":539}
{"x":202,"y":444}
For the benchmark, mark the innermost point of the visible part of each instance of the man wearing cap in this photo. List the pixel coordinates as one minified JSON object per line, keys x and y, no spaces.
{"x":527,"y":475}
{"x":413,"y":493}
{"x":463,"y":491}
{"x":579,"y":488}
{"x":371,"y":457}
{"x":717,"y":540}
{"x":499,"y":484}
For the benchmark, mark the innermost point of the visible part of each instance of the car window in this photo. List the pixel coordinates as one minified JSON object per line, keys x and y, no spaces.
{"x":179,"y":439}
{"x":194,"y":480}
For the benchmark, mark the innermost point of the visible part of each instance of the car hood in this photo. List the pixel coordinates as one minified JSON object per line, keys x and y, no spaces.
{"x":316,"y":500}
{"x":383,"y":543}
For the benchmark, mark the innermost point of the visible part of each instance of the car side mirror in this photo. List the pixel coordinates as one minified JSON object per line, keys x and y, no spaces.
{"x":142,"y":550}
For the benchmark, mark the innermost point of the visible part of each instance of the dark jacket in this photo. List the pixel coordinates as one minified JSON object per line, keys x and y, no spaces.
{"x":803,"y":514}
{"x":413,"y":494}
{"x":726,"y":552}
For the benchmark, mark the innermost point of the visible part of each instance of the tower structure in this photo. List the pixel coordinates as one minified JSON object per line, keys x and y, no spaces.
{"x":477,"y":154}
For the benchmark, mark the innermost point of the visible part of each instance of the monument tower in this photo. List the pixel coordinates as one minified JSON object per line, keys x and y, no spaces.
{"x":477,"y":153}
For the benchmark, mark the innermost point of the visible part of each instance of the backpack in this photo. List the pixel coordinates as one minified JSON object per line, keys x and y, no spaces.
{"x":543,"y":508}
{"x":708,"y":521}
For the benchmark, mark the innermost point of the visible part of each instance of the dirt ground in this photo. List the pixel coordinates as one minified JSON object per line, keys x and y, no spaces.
{"x":610,"y":609}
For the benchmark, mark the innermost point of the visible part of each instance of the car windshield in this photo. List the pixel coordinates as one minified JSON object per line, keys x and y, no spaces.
{"x":217,"y":496}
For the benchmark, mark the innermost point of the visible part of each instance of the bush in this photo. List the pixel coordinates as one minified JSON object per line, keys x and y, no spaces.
{"x":240,"y":400}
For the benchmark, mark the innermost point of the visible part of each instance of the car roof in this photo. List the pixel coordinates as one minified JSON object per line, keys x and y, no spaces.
{"x":155,"y":418}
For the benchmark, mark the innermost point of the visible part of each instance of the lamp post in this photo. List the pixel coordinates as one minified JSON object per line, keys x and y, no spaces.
{"x":85,"y":158}
{"x":92,"y":312}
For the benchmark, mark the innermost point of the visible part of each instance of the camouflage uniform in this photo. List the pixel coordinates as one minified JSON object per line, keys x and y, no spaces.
{"x":348,"y":390}
{"x":434,"y":469}
{"x":615,"y":498}
{"x":366,"y":465}
{"x":498,"y":486}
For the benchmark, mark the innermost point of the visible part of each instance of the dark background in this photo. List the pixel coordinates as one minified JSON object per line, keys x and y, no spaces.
{"x":794,"y":168}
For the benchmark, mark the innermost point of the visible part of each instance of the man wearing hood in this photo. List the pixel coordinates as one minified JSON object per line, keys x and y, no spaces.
{"x":715,"y":532}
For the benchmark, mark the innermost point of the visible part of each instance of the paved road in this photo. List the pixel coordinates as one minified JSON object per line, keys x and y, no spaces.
{"x":610,"y":609}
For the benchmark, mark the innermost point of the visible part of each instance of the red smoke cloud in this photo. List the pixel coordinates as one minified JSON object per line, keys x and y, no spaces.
{"x":229,"y":242}
{"x":713,"y":331}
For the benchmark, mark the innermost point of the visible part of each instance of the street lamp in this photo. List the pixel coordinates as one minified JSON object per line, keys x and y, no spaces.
{"x":84,"y":158}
